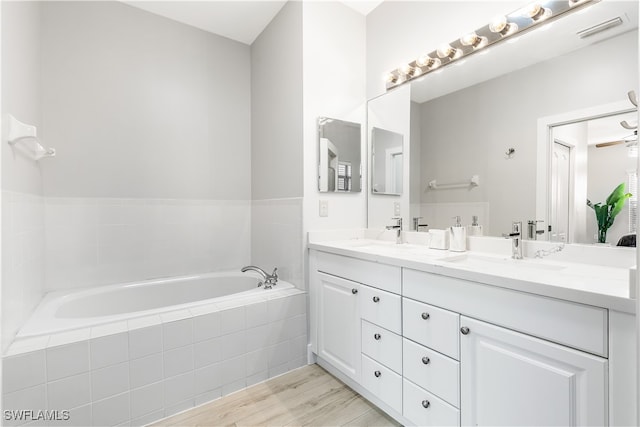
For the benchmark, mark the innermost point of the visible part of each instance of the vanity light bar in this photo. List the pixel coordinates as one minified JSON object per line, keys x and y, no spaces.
{"x":500,"y":29}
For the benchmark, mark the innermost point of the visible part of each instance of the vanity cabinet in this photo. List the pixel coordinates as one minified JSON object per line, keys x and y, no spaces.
{"x":431,"y":349}
{"x":508,"y":377}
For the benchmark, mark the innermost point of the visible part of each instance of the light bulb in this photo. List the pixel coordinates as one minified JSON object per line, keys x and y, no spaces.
{"x":447,"y":51}
{"x":536,"y":12}
{"x":390,"y":78}
{"x":428,"y":62}
{"x":502,"y":26}
{"x":474,"y":40}
{"x":406,"y":70}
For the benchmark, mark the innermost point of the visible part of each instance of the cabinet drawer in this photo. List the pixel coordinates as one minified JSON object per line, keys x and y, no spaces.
{"x":424,"y":409}
{"x":431,"y":326}
{"x":387,"y":277}
{"x":382,"y":308}
{"x":432,"y":371}
{"x":576,"y":325}
{"x":382,"y":382}
{"x":382,"y":346}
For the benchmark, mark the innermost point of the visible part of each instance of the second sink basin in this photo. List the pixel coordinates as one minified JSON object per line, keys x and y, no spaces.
{"x":484,"y":261}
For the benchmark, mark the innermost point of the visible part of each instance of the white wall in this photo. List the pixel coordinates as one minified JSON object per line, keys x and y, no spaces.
{"x":475,"y":138}
{"x":151,"y":122}
{"x":334,"y":84}
{"x":22,"y":202}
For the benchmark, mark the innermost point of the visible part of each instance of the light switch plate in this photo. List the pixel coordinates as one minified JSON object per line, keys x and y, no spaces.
{"x":323,"y":208}
{"x":396,"y":209}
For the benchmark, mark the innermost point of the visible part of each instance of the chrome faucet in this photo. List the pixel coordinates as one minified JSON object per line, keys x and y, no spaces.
{"x":269,"y":280}
{"x":516,"y":240}
{"x":416,"y":223}
{"x":532,"y":229}
{"x":398,"y":228}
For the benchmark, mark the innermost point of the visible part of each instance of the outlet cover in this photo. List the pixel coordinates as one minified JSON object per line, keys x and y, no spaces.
{"x":323,"y":208}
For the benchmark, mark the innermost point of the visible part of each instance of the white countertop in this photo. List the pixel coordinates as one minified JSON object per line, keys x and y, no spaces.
{"x":556,"y":276}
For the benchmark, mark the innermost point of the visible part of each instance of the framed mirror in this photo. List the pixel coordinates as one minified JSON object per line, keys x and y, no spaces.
{"x":482,"y":118}
{"x":339,"y":158}
{"x":387,"y":160}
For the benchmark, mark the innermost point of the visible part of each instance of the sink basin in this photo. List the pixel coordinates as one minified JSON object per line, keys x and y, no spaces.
{"x":483,"y":261}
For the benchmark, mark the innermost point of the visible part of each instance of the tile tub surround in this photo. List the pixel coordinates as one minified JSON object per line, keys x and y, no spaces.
{"x":98,"y":241}
{"x":145,"y":369}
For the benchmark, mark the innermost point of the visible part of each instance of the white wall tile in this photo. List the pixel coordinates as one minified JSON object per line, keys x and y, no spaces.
{"x":208,"y":396}
{"x":145,"y":370}
{"x":69,"y":392}
{"x":109,"y":350}
{"x":257,"y":378}
{"x":145,"y":341}
{"x":179,"y":407}
{"x":233,"y":345}
{"x":178,"y":389}
{"x":208,"y":379}
{"x":258,"y":338}
{"x":233,"y":370}
{"x":232,"y":320}
{"x":207,"y":352}
{"x":146,"y":400}
{"x":112,"y":411}
{"x":28,"y":398}
{"x":177,"y":334}
{"x":278,"y":354}
{"x":178,"y":361}
{"x":256,"y":314}
{"x":234,"y":386}
{"x":109,"y":381}
{"x":22,"y":371}
{"x":256,"y":362}
{"x":66,"y":360}
{"x":206,"y":326}
{"x":147,"y":419}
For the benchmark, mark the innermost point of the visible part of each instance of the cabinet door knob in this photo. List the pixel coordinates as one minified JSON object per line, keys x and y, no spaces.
{"x":354,"y":291}
{"x":426,"y":360}
{"x":426,"y":404}
{"x":377,"y":336}
{"x":464,"y":330}
{"x":376,"y":299}
{"x":377,"y":373}
{"x":425,"y":316}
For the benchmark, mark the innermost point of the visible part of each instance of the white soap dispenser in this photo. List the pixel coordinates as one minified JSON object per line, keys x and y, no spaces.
{"x":474,"y":229}
{"x":458,"y":242}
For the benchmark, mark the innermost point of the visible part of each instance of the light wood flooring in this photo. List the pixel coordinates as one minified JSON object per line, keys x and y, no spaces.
{"x":308,"y":396}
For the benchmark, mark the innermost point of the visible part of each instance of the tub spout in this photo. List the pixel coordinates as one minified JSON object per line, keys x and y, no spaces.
{"x":269,"y":280}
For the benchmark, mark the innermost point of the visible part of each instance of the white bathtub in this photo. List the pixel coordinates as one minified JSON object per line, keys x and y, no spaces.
{"x":62,"y":311}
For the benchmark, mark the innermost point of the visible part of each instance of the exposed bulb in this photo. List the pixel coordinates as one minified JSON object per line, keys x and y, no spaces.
{"x":390,"y":78}
{"x":428,"y":62}
{"x":502,"y":26}
{"x":447,"y":51}
{"x":474,"y":40}
{"x":406,"y":70}
{"x":536,"y":12}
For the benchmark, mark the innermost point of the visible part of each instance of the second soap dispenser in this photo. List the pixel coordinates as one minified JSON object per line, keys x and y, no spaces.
{"x":458,"y":239}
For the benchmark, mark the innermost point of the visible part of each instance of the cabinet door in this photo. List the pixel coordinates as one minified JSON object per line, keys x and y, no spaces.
{"x":508,"y":378}
{"x":339,"y":324}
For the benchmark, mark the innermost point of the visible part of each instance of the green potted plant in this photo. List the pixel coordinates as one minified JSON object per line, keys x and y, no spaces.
{"x":606,"y":212}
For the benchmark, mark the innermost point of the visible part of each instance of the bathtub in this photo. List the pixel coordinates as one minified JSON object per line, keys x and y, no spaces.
{"x":138,"y":352}
{"x":67,"y":310}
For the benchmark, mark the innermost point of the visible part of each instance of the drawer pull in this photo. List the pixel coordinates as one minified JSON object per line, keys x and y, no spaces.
{"x":376,"y":299}
{"x":354,"y":291}
{"x":464,"y":330}
{"x":426,"y":360}
{"x":425,"y":316}
{"x":426,"y":404}
{"x":377,"y":374}
{"x":377,"y":336}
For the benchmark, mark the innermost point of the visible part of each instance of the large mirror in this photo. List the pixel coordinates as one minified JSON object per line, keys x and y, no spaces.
{"x":482,"y":134}
{"x":387,"y":160}
{"x":339,"y":163}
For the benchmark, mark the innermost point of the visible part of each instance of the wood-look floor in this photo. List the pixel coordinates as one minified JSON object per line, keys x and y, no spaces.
{"x":308,"y":396}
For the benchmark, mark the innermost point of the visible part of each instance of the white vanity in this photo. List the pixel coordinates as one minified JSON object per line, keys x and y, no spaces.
{"x":435,"y":338}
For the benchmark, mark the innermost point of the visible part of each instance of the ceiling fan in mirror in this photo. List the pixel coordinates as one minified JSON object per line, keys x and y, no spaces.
{"x":632,"y":139}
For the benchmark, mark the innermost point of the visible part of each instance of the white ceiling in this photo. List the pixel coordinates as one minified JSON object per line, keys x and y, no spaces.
{"x":239,"y":20}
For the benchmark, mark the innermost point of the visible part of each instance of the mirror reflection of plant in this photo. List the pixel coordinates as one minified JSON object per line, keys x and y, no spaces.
{"x":607,"y":212}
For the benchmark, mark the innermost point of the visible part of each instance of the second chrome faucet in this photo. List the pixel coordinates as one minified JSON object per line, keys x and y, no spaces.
{"x":398,"y":228}
{"x":516,"y":240}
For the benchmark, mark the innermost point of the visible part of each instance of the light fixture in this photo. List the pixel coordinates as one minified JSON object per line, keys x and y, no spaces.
{"x":474,"y":40}
{"x":500,"y":25}
{"x":501,"y":28}
{"x":536,"y":12}
{"x":448,"y":51}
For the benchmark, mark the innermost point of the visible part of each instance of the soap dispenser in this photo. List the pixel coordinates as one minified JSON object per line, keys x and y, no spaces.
{"x":458,"y":242}
{"x":474,"y":229}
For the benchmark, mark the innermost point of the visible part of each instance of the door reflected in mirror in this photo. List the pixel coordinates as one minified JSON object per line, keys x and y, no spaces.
{"x":339,"y":156}
{"x":387,"y":159}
